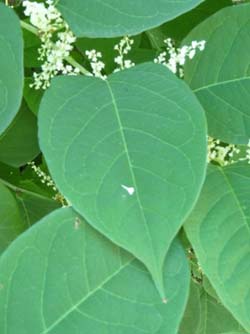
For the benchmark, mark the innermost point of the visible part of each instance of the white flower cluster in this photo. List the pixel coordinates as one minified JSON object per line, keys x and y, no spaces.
{"x":57,"y":41}
{"x":174,"y":58}
{"x":221,"y":153}
{"x":96,"y":64}
{"x":123,"y":48}
{"x":45,"y":179}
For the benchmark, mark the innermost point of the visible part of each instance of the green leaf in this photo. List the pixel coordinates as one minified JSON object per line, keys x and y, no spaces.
{"x":74,"y":280}
{"x":209,"y":288}
{"x":92,"y":18}
{"x":204,"y":315}
{"x":219,"y":230}
{"x":33,"y":206}
{"x":31,"y":45}
{"x":222,"y":85}
{"x":32,"y":96}
{"x":11,"y":66}
{"x":19,"y":143}
{"x":182,"y":25}
{"x":11,"y":224}
{"x":129,"y":153}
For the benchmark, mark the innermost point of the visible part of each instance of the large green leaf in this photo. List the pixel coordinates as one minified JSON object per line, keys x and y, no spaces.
{"x":11,"y":66}
{"x":11,"y":224}
{"x":111,"y":18}
{"x":129,"y":153}
{"x":219,"y":230}
{"x":19,"y":143}
{"x":73,"y":280}
{"x":223,"y":84}
{"x":204,"y":315}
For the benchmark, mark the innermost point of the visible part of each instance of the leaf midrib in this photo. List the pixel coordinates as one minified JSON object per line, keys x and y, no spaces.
{"x":82,"y":300}
{"x":131,"y":169}
{"x":236,"y":199}
{"x":220,"y":83}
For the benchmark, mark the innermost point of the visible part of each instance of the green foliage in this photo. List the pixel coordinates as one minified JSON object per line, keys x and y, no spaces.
{"x":155,"y":236}
{"x":81,"y":280}
{"x":11,"y":66}
{"x":221,"y":237}
{"x":118,"y":18}
{"x":223,"y":85}
{"x":97,"y":152}
{"x":19,"y":143}
{"x":11,"y":224}
{"x":205,"y":315}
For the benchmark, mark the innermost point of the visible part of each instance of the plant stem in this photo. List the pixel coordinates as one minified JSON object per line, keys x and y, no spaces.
{"x":69,"y":59}
{"x":29,"y":27}
{"x":74,"y":63}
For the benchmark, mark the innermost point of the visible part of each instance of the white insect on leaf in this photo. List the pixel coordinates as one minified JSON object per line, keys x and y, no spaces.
{"x":130,"y":190}
{"x":77,"y":223}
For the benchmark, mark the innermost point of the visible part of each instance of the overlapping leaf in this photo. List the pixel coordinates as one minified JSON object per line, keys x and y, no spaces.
{"x":219,"y":230}
{"x":11,"y":223}
{"x":11,"y":66}
{"x":33,"y":206}
{"x":19,"y":143}
{"x":73,"y":280}
{"x":205,"y":315}
{"x":109,"y":18}
{"x":220,"y":75}
{"x":129,"y":153}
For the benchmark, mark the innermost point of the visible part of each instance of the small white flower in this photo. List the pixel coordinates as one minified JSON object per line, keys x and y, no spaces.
{"x":96,"y":64}
{"x":57,"y":40}
{"x":123,"y":48}
{"x":174,"y":58}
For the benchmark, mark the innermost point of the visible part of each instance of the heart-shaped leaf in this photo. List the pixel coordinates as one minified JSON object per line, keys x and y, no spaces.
{"x":11,"y":66}
{"x":223,"y":85}
{"x":219,"y":230}
{"x":109,"y":18}
{"x":129,"y":153}
{"x":61,"y":277}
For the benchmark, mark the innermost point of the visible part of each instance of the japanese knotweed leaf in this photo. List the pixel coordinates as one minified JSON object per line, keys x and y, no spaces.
{"x":205,"y":315}
{"x":129,"y":153}
{"x":223,"y":84}
{"x":61,"y":277}
{"x":111,"y":18}
{"x":219,"y":230}
{"x":11,"y":66}
{"x":19,"y":142}
{"x":34,"y":206}
{"x":11,"y":223}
